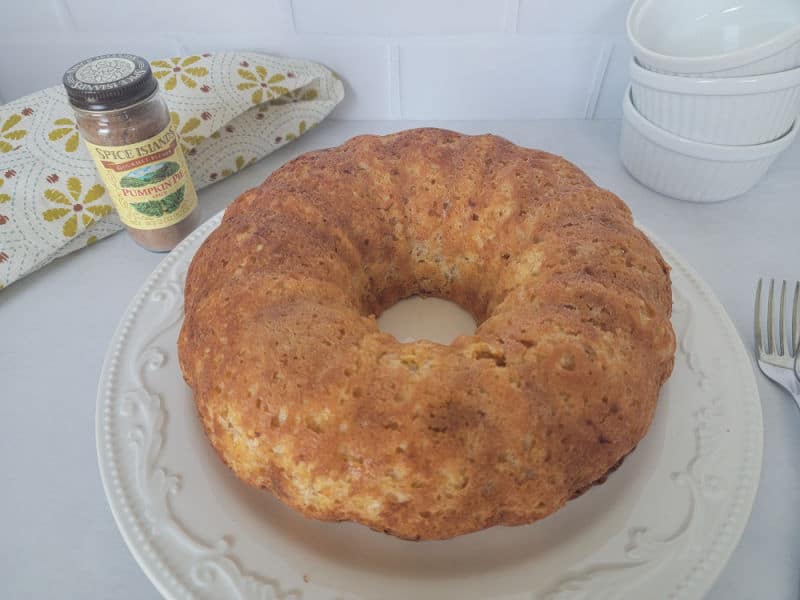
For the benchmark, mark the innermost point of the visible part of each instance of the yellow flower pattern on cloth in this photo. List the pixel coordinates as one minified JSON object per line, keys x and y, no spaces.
{"x":239,"y":164}
{"x":301,"y":129}
{"x":229,"y":109}
{"x":65,"y":127}
{"x":177,"y":69}
{"x":185,"y":129}
{"x":74,"y":205}
{"x":9,"y":134}
{"x":3,"y":199}
{"x":264,"y":83}
{"x":298,"y":95}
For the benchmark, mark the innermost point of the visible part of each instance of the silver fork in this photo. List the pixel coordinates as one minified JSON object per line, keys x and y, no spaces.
{"x":777,"y":361}
{"x":797,"y":363}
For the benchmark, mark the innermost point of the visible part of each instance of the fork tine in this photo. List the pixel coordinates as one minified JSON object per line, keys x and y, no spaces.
{"x":770,"y":339}
{"x":796,"y":319}
{"x":757,"y":317}
{"x":782,"y":319}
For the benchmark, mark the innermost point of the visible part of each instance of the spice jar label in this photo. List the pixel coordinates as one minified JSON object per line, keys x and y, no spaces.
{"x":148,"y":181}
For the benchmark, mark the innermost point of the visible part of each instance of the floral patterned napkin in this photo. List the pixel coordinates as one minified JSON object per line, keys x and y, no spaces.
{"x":230,"y":109}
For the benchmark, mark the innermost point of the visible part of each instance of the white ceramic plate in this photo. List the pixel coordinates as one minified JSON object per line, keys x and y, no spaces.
{"x":662,"y":526}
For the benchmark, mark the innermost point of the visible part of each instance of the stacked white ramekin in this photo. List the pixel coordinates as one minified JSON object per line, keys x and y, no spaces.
{"x":714,"y":95}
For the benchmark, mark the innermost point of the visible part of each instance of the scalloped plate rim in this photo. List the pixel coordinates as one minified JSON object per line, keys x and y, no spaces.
{"x":755,"y":431}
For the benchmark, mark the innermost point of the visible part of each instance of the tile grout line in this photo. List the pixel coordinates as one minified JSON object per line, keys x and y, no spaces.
{"x":287,"y":8}
{"x":65,"y":16}
{"x":599,"y":78}
{"x":395,"y":97}
{"x":512,"y":16}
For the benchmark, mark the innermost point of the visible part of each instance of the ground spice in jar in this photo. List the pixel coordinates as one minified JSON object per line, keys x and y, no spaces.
{"x":125,"y":124}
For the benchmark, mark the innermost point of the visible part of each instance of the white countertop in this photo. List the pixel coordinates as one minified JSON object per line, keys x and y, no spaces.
{"x":58,"y":538}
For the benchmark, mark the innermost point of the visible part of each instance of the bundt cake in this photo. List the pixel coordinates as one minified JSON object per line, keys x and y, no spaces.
{"x":301,"y":394}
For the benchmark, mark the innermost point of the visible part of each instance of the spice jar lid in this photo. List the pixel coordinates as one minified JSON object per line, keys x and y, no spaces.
{"x":109,"y":82}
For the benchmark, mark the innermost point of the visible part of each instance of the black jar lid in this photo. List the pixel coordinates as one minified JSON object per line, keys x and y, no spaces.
{"x":109,"y":82}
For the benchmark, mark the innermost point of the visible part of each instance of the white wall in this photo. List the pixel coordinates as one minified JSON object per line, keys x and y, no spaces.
{"x":413,"y":59}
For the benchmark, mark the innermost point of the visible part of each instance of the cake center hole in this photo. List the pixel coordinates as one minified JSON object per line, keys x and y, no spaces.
{"x":433,"y":319}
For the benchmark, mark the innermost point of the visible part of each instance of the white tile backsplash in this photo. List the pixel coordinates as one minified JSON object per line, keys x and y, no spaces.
{"x":514,"y":78}
{"x":29,"y":63}
{"x":609,"y":104}
{"x":393,"y":17}
{"x":22,"y":17}
{"x":572,"y":16}
{"x":363,"y":64}
{"x":465,"y":59}
{"x":169,"y":16}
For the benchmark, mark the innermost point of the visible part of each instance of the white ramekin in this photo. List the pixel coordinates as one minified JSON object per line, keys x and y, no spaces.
{"x":728,"y":110}
{"x":689,"y":170}
{"x":720,"y":38}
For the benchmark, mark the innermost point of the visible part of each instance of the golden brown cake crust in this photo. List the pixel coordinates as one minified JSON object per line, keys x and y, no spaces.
{"x":301,"y":394}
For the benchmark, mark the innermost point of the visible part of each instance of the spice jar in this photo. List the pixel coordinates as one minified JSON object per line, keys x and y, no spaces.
{"x":125,"y":124}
